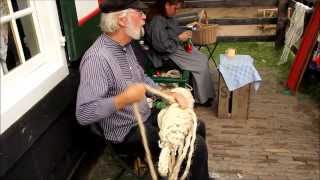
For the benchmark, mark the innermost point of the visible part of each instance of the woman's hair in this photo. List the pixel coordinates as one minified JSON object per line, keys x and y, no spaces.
{"x":159,"y":8}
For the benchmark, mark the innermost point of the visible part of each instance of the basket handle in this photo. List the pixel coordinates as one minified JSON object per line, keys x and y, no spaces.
{"x":203,"y":17}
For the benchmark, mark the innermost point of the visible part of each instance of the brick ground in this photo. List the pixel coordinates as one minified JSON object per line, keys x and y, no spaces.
{"x":279,"y":141}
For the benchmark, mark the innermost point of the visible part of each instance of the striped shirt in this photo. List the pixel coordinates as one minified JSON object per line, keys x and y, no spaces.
{"x":106,"y":70}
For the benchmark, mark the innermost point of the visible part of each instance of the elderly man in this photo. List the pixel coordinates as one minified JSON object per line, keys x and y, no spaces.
{"x":111,"y":80}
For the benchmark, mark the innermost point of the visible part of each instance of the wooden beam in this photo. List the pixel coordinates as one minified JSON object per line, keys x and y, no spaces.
{"x":244,"y":21}
{"x":230,"y":21}
{"x":186,"y":20}
{"x":245,"y":38}
{"x":189,"y":13}
{"x":282,"y":22}
{"x":222,"y":3}
{"x":224,"y":99}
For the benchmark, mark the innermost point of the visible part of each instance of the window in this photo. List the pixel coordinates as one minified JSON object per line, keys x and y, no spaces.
{"x":32,"y":59}
{"x":18,"y":35}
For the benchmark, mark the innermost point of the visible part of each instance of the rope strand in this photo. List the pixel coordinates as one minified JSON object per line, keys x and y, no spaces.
{"x":144,"y":141}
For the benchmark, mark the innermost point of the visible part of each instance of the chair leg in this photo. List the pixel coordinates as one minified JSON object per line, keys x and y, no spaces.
{"x":211,"y":52}
{"x":136,"y":167}
{"x":140,"y":167}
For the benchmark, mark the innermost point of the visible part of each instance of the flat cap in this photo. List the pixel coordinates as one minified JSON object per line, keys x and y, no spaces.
{"x":108,"y":6}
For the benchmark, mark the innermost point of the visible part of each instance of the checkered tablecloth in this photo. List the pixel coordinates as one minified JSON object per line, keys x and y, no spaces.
{"x":239,"y":71}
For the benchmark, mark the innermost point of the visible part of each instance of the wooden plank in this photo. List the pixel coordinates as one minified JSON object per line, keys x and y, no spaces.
{"x":245,"y":38}
{"x":187,"y":20}
{"x":222,"y":3}
{"x":243,"y":21}
{"x":224,"y":96}
{"x":193,"y":12}
{"x":184,"y":20}
{"x":245,"y":33}
{"x":268,"y":12}
{"x":240,"y":103}
{"x":274,"y":150}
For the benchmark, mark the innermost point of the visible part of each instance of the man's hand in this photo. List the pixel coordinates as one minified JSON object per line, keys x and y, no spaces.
{"x":133,"y":93}
{"x":184,"y":36}
{"x":181,"y":100}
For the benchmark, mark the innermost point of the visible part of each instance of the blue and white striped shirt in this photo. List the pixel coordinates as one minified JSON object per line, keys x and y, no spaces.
{"x":106,"y":70}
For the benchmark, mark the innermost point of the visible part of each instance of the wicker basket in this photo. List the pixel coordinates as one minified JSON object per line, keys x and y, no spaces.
{"x":205,"y":33}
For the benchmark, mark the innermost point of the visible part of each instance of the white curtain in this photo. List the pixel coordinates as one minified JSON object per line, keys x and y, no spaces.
{"x":3,"y":37}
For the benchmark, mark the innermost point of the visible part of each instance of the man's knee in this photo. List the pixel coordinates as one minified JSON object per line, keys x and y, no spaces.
{"x":200,"y":147}
{"x":201,"y":129}
{"x":201,"y":125}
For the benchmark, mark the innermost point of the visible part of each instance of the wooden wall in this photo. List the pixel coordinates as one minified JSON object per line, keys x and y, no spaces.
{"x":223,"y":3}
{"x":47,"y":142}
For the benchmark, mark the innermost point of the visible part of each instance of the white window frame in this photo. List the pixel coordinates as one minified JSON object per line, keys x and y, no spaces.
{"x":29,"y":82}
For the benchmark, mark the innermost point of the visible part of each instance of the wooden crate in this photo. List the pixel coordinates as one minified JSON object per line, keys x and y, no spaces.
{"x":233,"y":104}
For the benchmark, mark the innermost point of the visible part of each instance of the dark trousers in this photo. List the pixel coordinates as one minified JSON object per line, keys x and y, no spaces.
{"x":133,"y":143}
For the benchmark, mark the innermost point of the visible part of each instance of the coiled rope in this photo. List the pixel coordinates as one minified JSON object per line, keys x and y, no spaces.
{"x":177,"y":135}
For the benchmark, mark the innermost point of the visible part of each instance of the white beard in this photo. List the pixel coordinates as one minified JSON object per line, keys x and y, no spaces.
{"x":134,"y":33}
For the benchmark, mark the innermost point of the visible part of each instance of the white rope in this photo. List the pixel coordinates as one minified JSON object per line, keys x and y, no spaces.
{"x":144,"y":141}
{"x":141,"y":126}
{"x":177,"y":136}
{"x":295,"y":30}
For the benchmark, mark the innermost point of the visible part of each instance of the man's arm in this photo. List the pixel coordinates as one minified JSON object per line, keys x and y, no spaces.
{"x":92,"y":103}
{"x":134,"y":93}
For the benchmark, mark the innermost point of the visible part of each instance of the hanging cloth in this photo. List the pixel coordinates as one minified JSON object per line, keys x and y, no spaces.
{"x":295,"y":30}
{"x":3,"y":37}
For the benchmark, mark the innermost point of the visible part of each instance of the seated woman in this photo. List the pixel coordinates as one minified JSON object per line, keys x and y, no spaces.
{"x":165,"y":37}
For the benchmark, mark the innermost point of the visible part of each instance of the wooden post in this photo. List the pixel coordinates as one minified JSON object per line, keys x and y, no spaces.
{"x":282,"y":22}
{"x":224,"y":96}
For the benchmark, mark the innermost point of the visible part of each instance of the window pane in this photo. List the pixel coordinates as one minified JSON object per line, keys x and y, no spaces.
{"x":20,"y":4}
{"x":28,"y":36}
{"x":9,"y":57}
{"x":4,"y":10}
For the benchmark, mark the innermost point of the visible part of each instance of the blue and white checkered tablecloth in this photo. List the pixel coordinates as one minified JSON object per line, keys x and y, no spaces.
{"x":239,"y":71}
